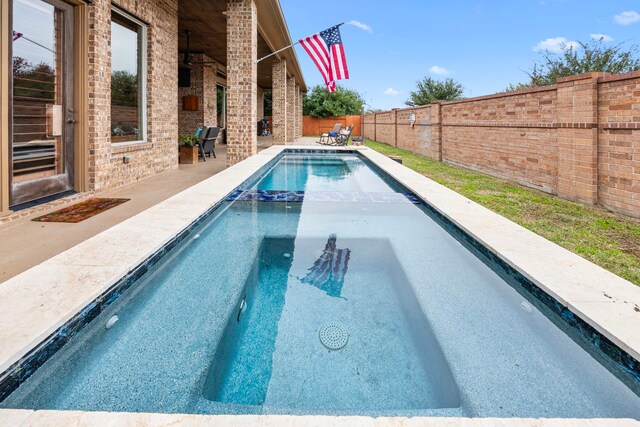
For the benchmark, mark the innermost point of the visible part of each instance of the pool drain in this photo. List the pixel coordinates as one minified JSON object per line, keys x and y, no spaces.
{"x":333,"y":335}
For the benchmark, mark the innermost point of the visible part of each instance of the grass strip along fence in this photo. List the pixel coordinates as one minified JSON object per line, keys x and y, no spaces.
{"x":605,"y":238}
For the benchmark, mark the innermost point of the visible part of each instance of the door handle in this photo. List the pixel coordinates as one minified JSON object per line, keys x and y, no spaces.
{"x":72,"y":121}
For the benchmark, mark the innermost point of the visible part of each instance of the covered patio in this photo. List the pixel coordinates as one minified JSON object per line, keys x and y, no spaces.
{"x":219,"y":44}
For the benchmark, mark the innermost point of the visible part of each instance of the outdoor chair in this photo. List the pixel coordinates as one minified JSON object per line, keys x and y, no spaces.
{"x":358,"y":139}
{"x":329,"y":138}
{"x":207,"y":141}
{"x":343,"y":136}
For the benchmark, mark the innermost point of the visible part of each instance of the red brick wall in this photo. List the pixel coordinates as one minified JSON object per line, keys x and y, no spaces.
{"x":507,"y":136}
{"x":385,"y":127}
{"x":369,"y":126}
{"x":424,"y":136}
{"x":579,"y":139}
{"x":619,"y":143}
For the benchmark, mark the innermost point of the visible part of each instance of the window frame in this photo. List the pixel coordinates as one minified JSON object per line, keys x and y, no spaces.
{"x":142,"y":69}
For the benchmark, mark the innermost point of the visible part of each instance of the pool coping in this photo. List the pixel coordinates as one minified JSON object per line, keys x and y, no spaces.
{"x":31,"y":308}
{"x":26,"y":418}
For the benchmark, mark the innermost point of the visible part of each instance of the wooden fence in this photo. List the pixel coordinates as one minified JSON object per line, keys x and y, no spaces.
{"x":312,"y":126}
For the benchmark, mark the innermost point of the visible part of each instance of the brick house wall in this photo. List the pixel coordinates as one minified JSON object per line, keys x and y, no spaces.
{"x":579,"y":139}
{"x":203,"y":85}
{"x":159,"y":153}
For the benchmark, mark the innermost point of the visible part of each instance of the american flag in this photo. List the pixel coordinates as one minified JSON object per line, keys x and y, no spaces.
{"x":16,"y":35}
{"x":327,"y":52}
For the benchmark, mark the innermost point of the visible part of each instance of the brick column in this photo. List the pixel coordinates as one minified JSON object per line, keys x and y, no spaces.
{"x":395,"y":127}
{"x":291,"y":109}
{"x":99,"y":91}
{"x":260,"y":103}
{"x":296,"y":118}
{"x":242,"y":79}
{"x":577,"y":138}
{"x":209,"y":95}
{"x":375,"y":126}
{"x":435,"y":121}
{"x":301,"y":110}
{"x":279,"y":102}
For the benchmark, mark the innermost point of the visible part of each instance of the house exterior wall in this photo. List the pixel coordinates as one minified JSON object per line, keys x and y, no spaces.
{"x":203,"y":85}
{"x":104,"y":164}
{"x":107,"y":167}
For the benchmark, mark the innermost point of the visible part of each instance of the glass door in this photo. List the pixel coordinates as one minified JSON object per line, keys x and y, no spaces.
{"x":42,"y":100}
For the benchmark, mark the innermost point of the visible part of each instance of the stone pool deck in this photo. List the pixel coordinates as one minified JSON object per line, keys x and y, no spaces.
{"x":25,"y":418}
{"x":35,"y":303}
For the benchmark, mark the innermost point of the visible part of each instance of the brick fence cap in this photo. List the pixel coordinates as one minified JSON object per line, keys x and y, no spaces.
{"x":622,"y":76}
{"x":582,"y":77}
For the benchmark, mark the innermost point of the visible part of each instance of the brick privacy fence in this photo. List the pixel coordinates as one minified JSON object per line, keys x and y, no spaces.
{"x":578,"y":139}
{"x":313,"y":126}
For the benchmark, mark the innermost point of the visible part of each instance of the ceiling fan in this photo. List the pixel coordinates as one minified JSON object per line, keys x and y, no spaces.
{"x":188,"y":58}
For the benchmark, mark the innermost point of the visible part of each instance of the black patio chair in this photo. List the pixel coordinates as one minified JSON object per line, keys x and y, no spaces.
{"x":207,"y":142}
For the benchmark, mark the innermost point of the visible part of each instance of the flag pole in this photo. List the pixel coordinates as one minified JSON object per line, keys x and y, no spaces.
{"x":287,"y":47}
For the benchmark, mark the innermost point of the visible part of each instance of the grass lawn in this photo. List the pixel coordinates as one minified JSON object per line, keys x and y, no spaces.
{"x":605,"y":238}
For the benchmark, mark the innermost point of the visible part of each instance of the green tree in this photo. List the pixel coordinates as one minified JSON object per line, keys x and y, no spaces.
{"x":594,"y":56}
{"x":429,"y":90}
{"x":124,"y":88}
{"x":268,"y":104}
{"x":343,"y":102}
{"x":33,"y":81}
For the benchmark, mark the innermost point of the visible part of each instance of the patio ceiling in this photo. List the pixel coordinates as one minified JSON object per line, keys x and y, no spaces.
{"x":208,"y":24}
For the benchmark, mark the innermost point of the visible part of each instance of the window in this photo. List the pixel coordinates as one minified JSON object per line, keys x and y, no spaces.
{"x":128,"y":78}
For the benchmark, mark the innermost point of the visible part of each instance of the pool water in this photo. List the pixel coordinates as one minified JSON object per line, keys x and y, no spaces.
{"x":231,"y":321}
{"x":374,"y":305}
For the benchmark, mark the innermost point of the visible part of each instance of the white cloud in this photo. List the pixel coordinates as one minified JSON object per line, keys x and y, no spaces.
{"x":360,"y":25}
{"x":441,"y":71}
{"x":555,"y":44}
{"x":627,"y":18}
{"x":603,"y":37}
{"x":391,"y":91}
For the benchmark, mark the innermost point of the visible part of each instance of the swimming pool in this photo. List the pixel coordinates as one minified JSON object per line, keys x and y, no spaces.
{"x":231,"y":321}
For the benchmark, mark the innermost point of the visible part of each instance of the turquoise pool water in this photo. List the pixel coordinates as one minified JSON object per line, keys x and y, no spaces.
{"x":232,"y":320}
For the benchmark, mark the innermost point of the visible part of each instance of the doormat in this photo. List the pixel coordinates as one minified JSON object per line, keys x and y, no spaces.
{"x":81,"y":211}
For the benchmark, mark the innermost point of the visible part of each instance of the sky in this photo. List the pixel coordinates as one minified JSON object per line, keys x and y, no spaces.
{"x":484,"y":45}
